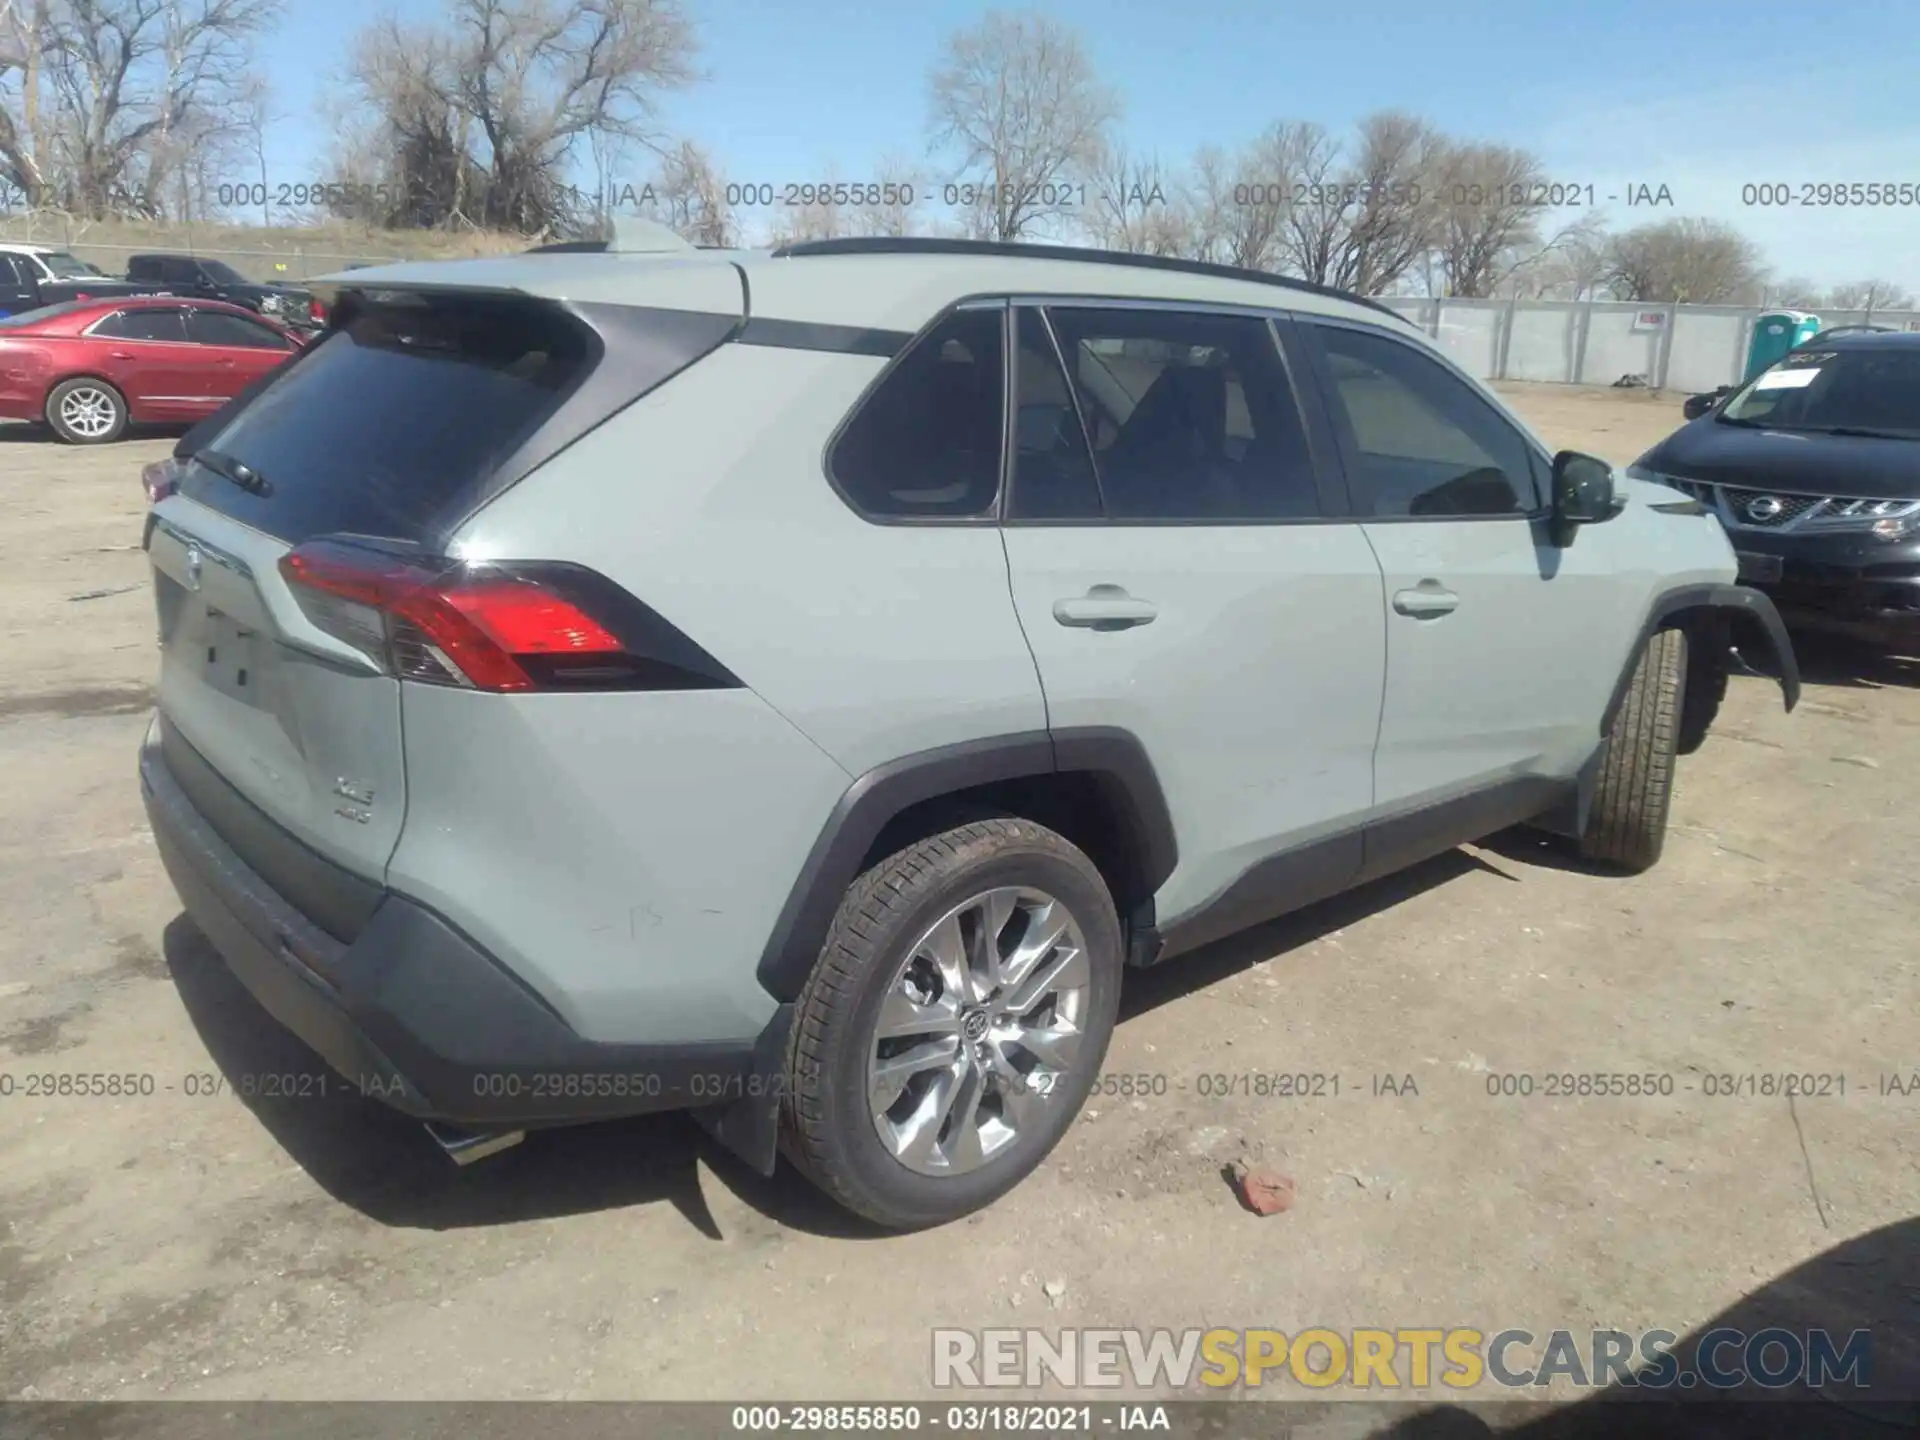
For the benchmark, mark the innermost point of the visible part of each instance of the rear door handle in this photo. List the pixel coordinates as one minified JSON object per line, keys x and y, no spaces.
{"x":1426,"y":601}
{"x":1105,"y":607}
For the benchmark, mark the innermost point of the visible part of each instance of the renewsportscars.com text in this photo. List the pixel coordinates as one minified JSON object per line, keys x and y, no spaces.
{"x":1457,"y":1359}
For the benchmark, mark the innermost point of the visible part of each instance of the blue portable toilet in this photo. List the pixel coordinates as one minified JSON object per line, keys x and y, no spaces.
{"x":1775,"y":333}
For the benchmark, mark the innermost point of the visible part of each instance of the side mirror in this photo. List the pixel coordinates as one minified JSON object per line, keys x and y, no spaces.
{"x":1583,"y":493}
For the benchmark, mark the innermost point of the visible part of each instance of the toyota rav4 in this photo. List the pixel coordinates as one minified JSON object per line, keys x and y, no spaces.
{"x":795,"y":686}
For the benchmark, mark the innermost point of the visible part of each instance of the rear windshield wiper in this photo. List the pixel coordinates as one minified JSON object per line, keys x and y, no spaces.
{"x":228,"y":468}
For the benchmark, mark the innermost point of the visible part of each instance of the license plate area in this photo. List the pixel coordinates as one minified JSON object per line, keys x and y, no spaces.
{"x":229,"y":657}
{"x":1759,"y":569}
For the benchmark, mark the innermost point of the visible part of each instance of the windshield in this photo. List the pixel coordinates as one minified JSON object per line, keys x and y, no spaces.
{"x":1871,"y":388}
{"x":70,"y":267}
{"x":223,"y":272}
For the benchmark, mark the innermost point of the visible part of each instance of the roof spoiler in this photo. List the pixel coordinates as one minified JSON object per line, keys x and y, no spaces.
{"x":626,"y":235}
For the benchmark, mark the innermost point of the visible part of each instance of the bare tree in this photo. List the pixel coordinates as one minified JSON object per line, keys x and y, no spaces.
{"x":407,"y":139}
{"x":819,"y":217}
{"x":482,"y":114}
{"x":23,"y":27}
{"x":891,"y":203}
{"x":1017,"y":104}
{"x":1795,"y":292}
{"x":1869,"y":295}
{"x":690,"y":195}
{"x":1362,"y":216}
{"x":1239,"y":204}
{"x":260,"y":118}
{"x":1703,"y":262}
{"x":137,"y":87}
{"x":1571,"y":265}
{"x":1134,"y":205}
{"x":1487,"y":215}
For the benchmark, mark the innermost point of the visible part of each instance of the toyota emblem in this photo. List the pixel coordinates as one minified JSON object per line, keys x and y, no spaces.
{"x":1765,"y":507}
{"x":193,"y":567}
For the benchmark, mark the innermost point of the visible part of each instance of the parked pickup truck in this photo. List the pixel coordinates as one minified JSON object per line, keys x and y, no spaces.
{"x":33,"y":276}
{"x":216,"y":280}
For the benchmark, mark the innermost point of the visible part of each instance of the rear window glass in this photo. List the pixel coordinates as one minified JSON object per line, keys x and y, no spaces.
{"x":46,"y":312}
{"x":396,"y":418}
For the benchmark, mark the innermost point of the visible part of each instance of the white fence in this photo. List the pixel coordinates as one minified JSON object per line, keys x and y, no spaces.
{"x":1679,"y":347}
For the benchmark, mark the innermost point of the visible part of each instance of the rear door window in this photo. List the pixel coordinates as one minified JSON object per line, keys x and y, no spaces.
{"x":162,"y":325}
{"x":391,"y":425}
{"x":1191,"y":415}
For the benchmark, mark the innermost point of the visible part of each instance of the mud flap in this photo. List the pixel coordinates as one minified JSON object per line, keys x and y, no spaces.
{"x":750,"y":1125}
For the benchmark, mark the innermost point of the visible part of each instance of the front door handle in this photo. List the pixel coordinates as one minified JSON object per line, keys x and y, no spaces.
{"x":1105,"y":607}
{"x":1426,"y":601}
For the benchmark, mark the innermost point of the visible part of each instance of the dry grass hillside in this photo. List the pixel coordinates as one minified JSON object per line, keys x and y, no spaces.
{"x":260,"y":253}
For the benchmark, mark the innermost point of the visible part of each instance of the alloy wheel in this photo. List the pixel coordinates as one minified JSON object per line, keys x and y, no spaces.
{"x":978,"y":1030}
{"x":88,"y":411}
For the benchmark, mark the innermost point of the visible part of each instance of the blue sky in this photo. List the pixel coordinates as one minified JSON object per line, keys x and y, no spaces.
{"x":1702,"y":98}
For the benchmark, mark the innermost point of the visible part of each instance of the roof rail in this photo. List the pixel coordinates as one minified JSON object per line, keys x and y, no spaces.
{"x":930,"y":245}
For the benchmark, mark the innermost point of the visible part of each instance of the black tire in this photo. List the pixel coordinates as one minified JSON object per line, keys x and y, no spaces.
{"x":1709,"y":663}
{"x":1627,"y":824}
{"x":112,"y":399}
{"x":828,"y":1128}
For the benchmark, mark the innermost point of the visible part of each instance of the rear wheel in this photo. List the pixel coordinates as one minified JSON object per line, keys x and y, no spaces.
{"x":954,"y":1023}
{"x":1627,"y":825}
{"x":86,"y":411}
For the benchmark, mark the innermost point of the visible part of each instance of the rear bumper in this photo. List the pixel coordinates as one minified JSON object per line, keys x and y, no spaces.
{"x":414,"y":1014}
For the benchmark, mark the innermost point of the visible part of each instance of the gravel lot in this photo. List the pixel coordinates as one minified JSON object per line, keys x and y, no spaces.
{"x":218,"y":1246}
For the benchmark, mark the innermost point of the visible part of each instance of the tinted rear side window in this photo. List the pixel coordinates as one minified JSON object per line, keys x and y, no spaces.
{"x":1191,"y":415}
{"x":142,"y":325}
{"x":216,"y":327}
{"x":926,"y":444}
{"x":397,"y":418}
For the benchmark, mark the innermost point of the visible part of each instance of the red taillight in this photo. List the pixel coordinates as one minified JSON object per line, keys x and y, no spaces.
{"x":160,"y":479}
{"x":316,"y":312}
{"x":485,"y":628}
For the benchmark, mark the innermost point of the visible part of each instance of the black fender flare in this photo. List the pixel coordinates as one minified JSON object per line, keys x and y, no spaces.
{"x":1742,"y":607}
{"x":1731,"y":609}
{"x":1114,"y":758}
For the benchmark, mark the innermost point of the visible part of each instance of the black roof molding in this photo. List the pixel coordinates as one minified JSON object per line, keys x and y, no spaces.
{"x":925,"y":245}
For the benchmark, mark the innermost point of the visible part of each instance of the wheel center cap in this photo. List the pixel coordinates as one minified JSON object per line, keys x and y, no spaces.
{"x":973,"y":1024}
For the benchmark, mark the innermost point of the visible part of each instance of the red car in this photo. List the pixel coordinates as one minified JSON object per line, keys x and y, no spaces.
{"x":89,"y":368}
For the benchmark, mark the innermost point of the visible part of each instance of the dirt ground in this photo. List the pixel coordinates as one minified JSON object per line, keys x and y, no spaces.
{"x":190,"y":1244}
